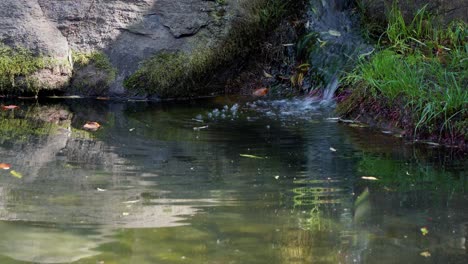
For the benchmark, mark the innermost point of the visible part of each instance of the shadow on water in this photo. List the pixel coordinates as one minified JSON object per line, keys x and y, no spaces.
{"x":247,"y":188}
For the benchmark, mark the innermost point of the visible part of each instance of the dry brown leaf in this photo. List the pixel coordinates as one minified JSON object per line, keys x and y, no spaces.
{"x":92,"y":126}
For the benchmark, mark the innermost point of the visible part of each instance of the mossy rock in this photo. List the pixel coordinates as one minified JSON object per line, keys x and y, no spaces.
{"x":172,"y":74}
{"x":93,"y":74}
{"x":21,"y":71}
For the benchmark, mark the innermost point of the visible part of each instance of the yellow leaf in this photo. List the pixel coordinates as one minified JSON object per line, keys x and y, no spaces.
{"x":250,"y":156}
{"x":334,"y":33}
{"x":424,"y":231}
{"x":425,"y":254}
{"x":16,"y":174}
{"x":369,"y":178}
{"x":267,"y":75}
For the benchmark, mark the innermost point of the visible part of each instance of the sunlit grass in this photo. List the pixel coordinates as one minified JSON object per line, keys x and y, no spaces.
{"x":423,"y":66}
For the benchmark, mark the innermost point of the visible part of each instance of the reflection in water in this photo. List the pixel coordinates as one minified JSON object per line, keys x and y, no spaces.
{"x":148,"y":188}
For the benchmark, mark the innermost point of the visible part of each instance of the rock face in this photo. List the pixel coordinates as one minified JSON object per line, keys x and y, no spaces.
{"x":24,"y":24}
{"x":447,"y":9}
{"x":127,"y":31}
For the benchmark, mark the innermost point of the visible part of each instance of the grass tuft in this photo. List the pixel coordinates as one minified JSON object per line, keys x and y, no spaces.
{"x":422,"y":66}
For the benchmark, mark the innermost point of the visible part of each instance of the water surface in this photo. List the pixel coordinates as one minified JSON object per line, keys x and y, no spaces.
{"x":266,"y":184}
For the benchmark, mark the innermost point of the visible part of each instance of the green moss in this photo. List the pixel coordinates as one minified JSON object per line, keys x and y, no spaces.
{"x":96,"y":58}
{"x":93,"y":72}
{"x":179,"y":74}
{"x":16,"y":63}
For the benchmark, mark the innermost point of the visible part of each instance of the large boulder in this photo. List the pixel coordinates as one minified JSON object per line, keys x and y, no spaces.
{"x":126,"y":31}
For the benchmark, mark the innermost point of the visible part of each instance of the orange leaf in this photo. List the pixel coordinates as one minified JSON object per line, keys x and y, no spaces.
{"x":9,"y":107}
{"x":5,"y":166}
{"x":260,"y":92}
{"x":92,"y":126}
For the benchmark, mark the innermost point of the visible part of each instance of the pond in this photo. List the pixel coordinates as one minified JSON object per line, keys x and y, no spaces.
{"x":247,"y":183}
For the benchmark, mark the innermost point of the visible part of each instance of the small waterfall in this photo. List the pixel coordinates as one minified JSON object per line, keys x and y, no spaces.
{"x":336,"y":49}
{"x":339,"y":43}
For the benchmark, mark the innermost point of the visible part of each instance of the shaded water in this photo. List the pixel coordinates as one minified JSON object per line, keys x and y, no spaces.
{"x":260,"y":186}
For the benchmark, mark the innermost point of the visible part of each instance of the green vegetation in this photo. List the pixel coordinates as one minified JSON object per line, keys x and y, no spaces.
{"x":179,"y":74}
{"x":93,"y":72}
{"x":99,"y":59}
{"x":421,"y":67}
{"x":15,"y":63}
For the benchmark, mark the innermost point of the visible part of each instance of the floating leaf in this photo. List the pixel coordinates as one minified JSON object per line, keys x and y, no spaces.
{"x":101,"y":190}
{"x":5,"y":166}
{"x":424,"y":231}
{"x":369,"y":178}
{"x":16,"y":174}
{"x":260,"y":92}
{"x":250,"y":156}
{"x":334,"y":33}
{"x":9,"y":107}
{"x":200,"y":128}
{"x":425,"y":254}
{"x":267,"y":75}
{"x":92,"y":126}
{"x":125,"y":213}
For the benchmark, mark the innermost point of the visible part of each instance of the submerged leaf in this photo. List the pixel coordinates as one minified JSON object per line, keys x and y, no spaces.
{"x":16,"y":174}
{"x":260,"y":92}
{"x":250,"y":156}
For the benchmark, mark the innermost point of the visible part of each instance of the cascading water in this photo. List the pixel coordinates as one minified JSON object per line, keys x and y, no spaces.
{"x":338,"y":42}
{"x":337,"y":47}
